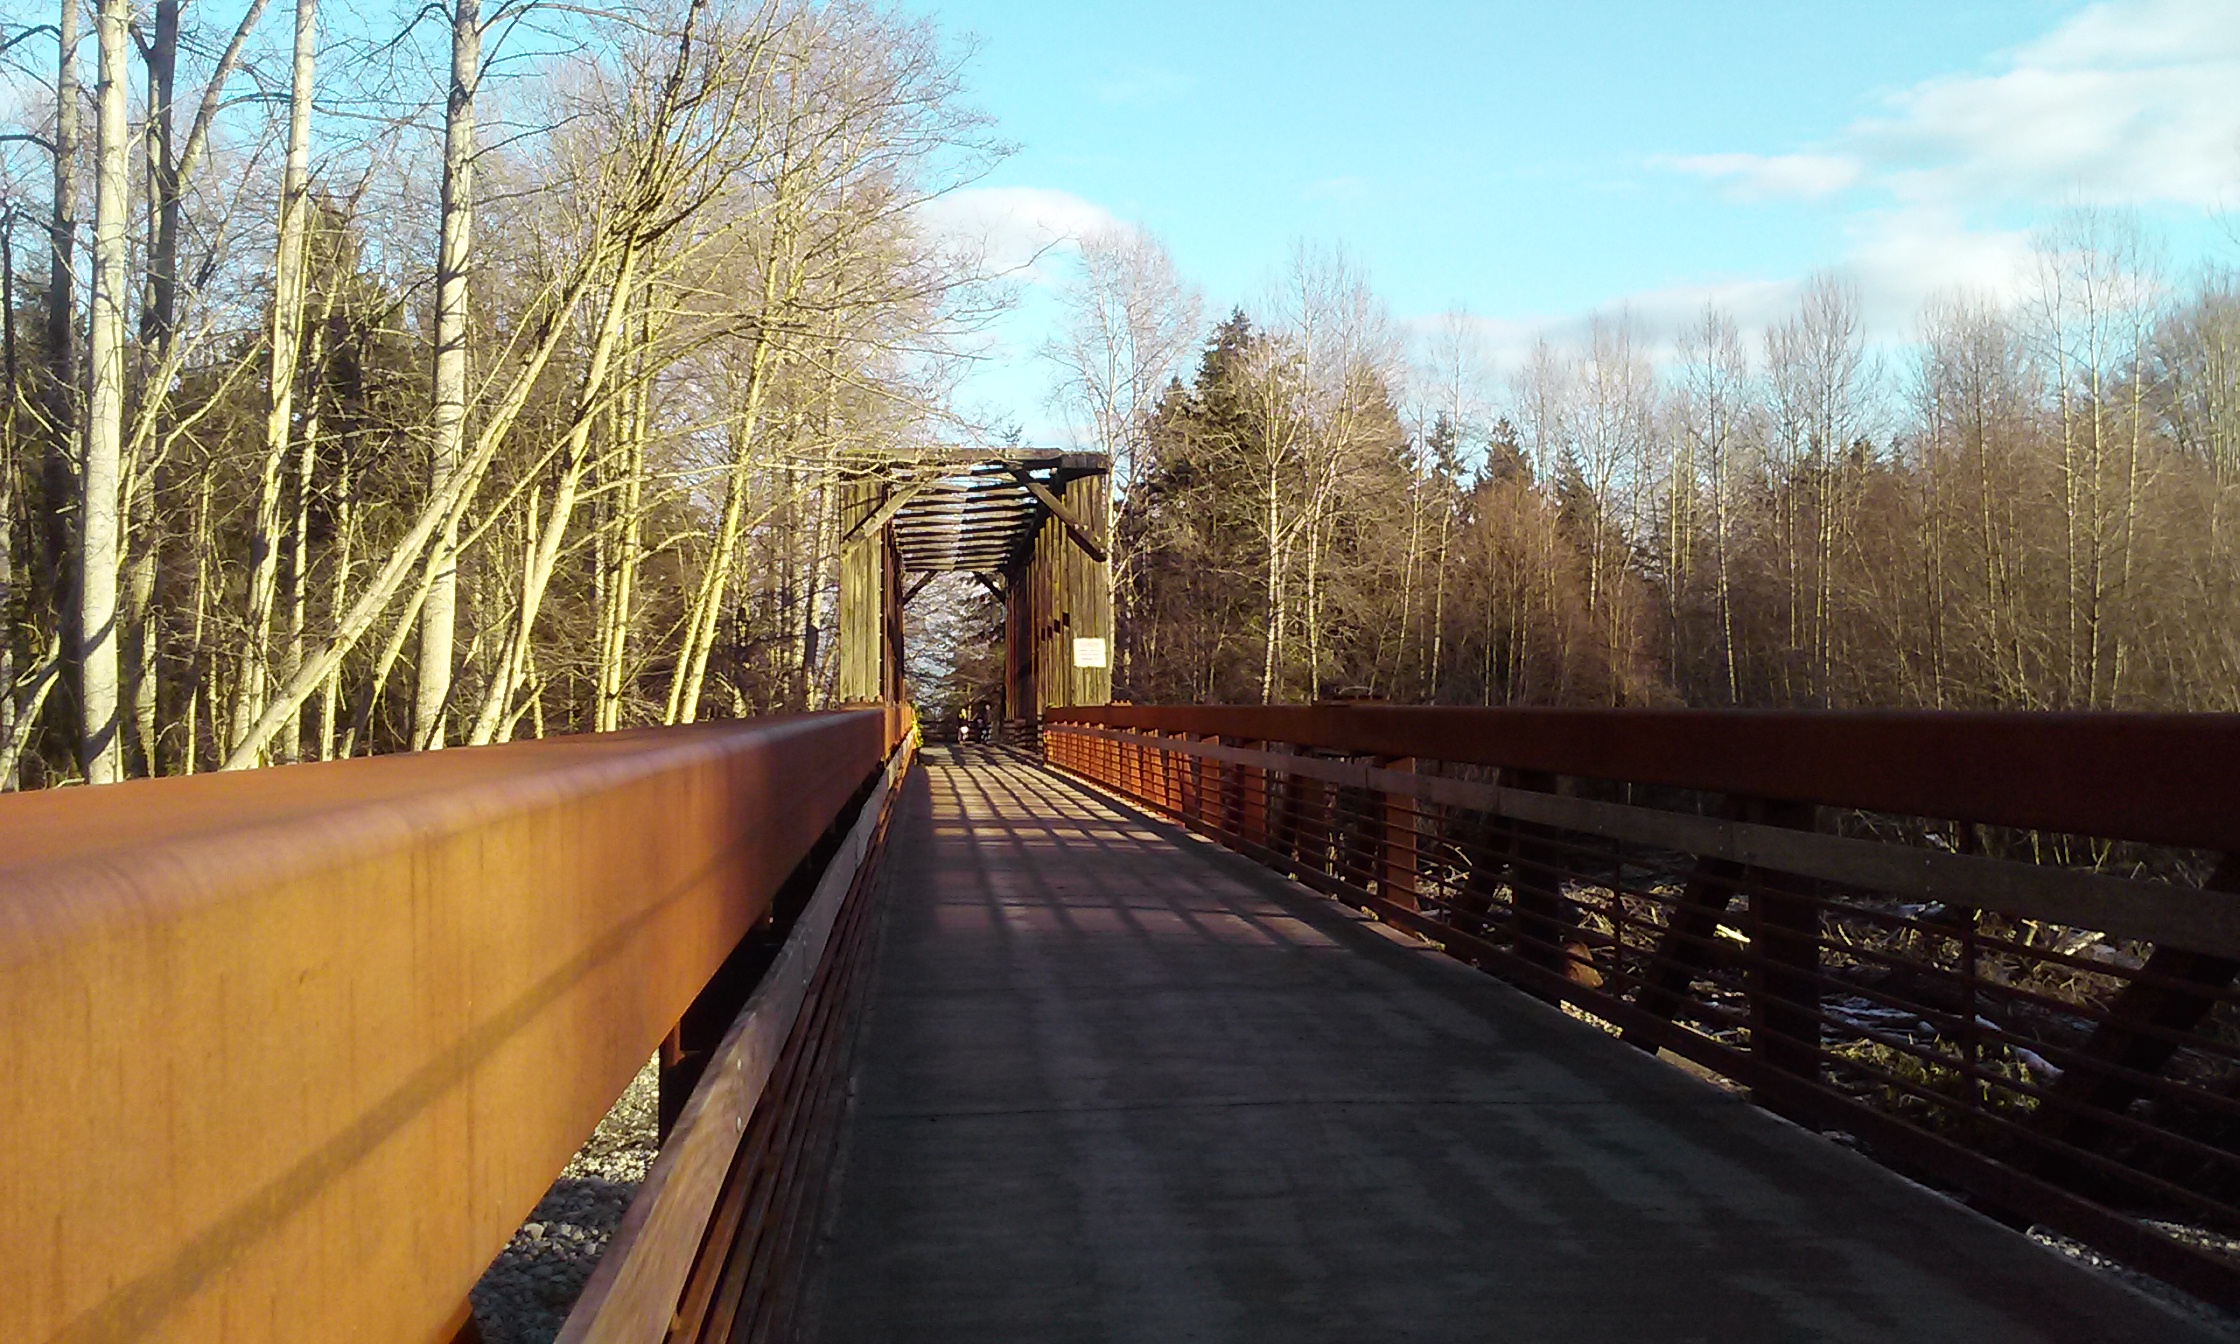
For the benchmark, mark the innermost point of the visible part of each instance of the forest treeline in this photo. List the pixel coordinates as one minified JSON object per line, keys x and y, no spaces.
{"x":2032,"y":506}
{"x":496,"y":373}
{"x":486,"y":376}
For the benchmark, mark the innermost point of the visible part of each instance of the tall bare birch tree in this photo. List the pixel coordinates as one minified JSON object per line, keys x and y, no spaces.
{"x":447,"y":429}
{"x":100,"y":511}
{"x":286,"y":350}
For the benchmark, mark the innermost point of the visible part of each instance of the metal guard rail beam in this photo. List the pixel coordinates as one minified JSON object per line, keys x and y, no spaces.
{"x":713,"y":1243}
{"x":2060,"y":1043}
{"x":2166,"y":779}
{"x":297,"y":1049}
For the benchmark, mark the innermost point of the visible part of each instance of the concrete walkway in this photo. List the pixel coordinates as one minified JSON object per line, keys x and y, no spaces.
{"x":1116,"y":1084}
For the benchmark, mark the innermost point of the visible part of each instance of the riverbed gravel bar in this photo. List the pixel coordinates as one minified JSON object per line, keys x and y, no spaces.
{"x":525,"y":1294}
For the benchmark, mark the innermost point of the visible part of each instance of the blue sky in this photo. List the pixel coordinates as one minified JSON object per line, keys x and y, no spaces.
{"x":1535,"y":162}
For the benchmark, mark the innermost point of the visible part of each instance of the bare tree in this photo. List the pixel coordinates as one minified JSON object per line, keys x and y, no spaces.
{"x":1824,"y":394}
{"x":447,"y":430}
{"x":101,"y":522}
{"x":1127,"y":322}
{"x":288,"y":298}
{"x":1713,"y":406}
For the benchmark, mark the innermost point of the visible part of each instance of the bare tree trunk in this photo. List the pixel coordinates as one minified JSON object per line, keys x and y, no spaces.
{"x":440,"y":515}
{"x":614,"y":656}
{"x":1270,"y":650}
{"x":170,"y":164}
{"x":136,"y":618}
{"x":158,"y":314}
{"x":439,"y":613}
{"x":1408,"y":558}
{"x":575,"y":460}
{"x":707,"y":607}
{"x":822,"y":557}
{"x":55,"y":553}
{"x":346,"y":530}
{"x":13,"y":746}
{"x":2132,"y":481}
{"x":100,"y":749}
{"x":198,"y":657}
{"x":8,"y":500}
{"x":288,"y":290}
{"x":60,"y":469}
{"x":296,"y":579}
{"x":1439,"y":602}
{"x":1314,"y":607}
{"x":137,"y":621}
{"x":377,"y":680}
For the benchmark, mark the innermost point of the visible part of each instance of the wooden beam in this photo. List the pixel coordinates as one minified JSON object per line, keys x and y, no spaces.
{"x":987,"y":583}
{"x":880,"y":516}
{"x":962,"y":557}
{"x":919,"y":587}
{"x":1081,"y":535}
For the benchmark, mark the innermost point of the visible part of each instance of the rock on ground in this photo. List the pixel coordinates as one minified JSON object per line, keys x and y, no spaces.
{"x":526,"y":1293}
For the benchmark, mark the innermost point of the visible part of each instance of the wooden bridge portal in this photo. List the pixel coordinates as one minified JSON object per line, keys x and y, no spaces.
{"x":1032,"y":528}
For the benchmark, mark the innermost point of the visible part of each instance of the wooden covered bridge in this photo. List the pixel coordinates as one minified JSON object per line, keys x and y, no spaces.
{"x":1343,"y":1022}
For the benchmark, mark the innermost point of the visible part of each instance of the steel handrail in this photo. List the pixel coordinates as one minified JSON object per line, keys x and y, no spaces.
{"x":292,"y":1052}
{"x":2166,"y":779}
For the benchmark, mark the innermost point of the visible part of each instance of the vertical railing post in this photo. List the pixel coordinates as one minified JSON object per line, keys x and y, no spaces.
{"x":1197,"y":780}
{"x":1543,"y":918}
{"x":1285,"y":820}
{"x":1161,"y":776}
{"x":2143,"y":1029}
{"x":1785,"y":954}
{"x":1396,"y":842}
{"x":1178,"y":765}
{"x":1252,"y":797}
{"x":1193,"y":786}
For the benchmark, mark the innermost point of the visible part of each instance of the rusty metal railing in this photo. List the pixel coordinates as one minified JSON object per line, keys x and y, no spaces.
{"x":292,"y":1052}
{"x":714,"y":1243}
{"x":1998,"y":950}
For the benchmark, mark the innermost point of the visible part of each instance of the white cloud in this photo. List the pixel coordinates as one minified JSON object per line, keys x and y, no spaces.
{"x":1016,"y":230}
{"x":2140,"y":33}
{"x":1902,"y":259}
{"x":1757,"y":177}
{"x":2127,"y":102}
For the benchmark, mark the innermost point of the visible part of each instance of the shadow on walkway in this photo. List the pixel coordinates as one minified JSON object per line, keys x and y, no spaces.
{"x":1116,"y":1084}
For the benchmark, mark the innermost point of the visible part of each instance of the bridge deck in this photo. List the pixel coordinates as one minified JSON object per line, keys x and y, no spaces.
{"x":1118,"y":1084}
